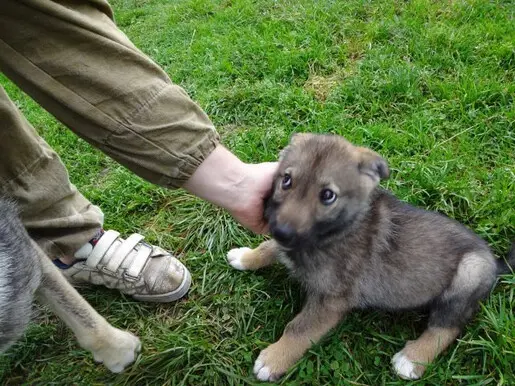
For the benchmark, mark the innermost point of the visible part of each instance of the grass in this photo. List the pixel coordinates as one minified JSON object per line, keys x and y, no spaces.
{"x":428,"y":84}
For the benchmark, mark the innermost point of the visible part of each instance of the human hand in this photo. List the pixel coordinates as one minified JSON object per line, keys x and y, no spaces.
{"x":240,"y":188}
{"x":253,"y":191}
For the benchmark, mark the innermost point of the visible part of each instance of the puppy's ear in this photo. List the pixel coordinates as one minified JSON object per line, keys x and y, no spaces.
{"x":295,"y":139}
{"x":372,"y":164}
{"x":283,"y":153}
{"x":298,"y":138}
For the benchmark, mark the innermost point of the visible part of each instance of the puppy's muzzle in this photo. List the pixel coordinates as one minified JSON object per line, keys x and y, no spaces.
{"x":284,"y":234}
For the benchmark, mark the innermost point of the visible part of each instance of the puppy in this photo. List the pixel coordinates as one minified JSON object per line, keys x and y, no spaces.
{"x":26,"y":271}
{"x":353,"y":245}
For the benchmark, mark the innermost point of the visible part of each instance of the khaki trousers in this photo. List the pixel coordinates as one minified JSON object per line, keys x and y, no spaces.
{"x":73,"y":60}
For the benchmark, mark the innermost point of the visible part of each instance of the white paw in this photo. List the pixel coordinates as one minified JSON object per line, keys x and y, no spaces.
{"x":404,"y":367}
{"x":234,"y":257}
{"x":263,"y":370}
{"x":121,"y":350}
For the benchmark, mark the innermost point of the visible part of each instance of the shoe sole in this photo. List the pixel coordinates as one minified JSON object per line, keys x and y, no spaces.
{"x":176,"y":294}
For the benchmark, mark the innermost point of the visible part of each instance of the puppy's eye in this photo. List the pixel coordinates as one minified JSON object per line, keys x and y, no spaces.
{"x":327,"y":196}
{"x":286,"y":184}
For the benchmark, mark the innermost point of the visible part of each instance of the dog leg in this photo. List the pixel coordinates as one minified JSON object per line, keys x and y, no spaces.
{"x":251,"y":259}
{"x":111,"y":346}
{"x":20,"y":276}
{"x":317,"y":317}
{"x":473,"y":281}
{"x":410,"y":363}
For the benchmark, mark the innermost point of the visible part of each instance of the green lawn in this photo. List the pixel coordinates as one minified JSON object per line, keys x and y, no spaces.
{"x":428,"y":84}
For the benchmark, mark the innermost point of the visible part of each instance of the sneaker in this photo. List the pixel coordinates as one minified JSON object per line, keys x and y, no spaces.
{"x":146,"y":272}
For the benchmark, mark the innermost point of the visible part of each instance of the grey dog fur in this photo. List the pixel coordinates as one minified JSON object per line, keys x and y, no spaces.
{"x":372,"y":248}
{"x":20,"y":275}
{"x":368,"y":249}
{"x":27,"y":273}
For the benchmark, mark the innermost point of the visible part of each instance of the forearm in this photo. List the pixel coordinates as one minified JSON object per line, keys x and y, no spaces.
{"x":238,"y":187}
{"x":219,"y":179}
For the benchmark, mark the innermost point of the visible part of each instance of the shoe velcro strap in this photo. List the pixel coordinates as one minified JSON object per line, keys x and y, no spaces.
{"x":101,"y":247}
{"x":120,"y":254}
{"x":139,"y":262}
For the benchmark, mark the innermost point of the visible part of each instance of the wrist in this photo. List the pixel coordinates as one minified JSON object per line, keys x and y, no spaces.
{"x":220,"y":179}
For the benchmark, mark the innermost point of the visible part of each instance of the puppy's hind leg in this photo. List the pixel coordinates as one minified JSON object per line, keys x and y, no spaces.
{"x":109,"y":345}
{"x":410,"y":363}
{"x":449,"y":313}
{"x":251,"y":259}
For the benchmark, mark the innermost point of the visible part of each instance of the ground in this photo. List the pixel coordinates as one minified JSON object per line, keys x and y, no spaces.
{"x":428,"y":84}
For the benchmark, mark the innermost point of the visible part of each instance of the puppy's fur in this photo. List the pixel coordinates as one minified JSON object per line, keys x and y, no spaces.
{"x":26,"y":271}
{"x":353,"y":245}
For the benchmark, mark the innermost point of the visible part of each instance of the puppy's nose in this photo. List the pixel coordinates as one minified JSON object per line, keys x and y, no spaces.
{"x":283,"y":233}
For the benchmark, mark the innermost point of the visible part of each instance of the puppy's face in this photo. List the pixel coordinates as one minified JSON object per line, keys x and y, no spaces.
{"x":323,"y":182}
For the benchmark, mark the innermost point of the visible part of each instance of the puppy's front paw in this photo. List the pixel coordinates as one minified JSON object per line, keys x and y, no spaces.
{"x":119,"y":351}
{"x":406,"y":368}
{"x":272,"y":363}
{"x":235,"y":258}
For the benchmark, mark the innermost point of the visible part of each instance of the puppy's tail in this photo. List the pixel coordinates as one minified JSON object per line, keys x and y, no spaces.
{"x":508,"y":266}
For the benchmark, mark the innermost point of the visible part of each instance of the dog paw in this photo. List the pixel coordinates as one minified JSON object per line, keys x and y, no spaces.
{"x":263,"y":372}
{"x":271,"y":364}
{"x":234,"y":256}
{"x":121,"y":349}
{"x":405,"y":368}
